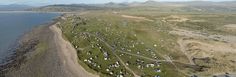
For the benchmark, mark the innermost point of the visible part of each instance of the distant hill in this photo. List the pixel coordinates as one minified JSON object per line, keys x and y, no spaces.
{"x":63,"y":8}
{"x":14,"y":7}
{"x":79,"y":7}
{"x":192,"y":6}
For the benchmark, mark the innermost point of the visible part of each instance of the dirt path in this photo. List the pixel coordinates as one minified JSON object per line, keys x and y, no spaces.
{"x":183,"y":49}
{"x":69,"y":56}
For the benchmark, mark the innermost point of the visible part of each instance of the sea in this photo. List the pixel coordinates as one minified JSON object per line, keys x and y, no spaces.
{"x":14,"y":24}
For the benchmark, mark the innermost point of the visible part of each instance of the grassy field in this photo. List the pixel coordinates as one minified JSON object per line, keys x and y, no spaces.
{"x":112,"y":42}
{"x":95,"y":35}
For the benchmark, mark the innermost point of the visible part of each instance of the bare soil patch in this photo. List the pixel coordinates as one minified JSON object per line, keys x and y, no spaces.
{"x":136,"y":17}
{"x":230,"y":26}
{"x":216,"y":52}
{"x":176,"y":18}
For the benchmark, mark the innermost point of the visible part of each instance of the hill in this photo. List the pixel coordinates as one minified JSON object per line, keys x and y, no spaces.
{"x":193,"y":6}
{"x":14,"y":7}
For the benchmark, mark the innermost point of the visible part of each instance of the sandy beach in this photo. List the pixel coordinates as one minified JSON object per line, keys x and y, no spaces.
{"x":52,"y":57}
{"x":68,"y":55}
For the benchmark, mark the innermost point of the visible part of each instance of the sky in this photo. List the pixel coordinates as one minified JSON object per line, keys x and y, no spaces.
{"x":46,"y":2}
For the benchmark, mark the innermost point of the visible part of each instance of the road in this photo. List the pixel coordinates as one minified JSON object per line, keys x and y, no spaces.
{"x":143,"y":57}
{"x":113,"y":52}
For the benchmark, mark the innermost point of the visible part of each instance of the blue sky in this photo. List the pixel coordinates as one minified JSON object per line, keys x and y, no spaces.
{"x":44,"y":2}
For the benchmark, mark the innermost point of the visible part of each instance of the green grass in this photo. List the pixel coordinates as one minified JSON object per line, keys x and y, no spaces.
{"x":91,"y":32}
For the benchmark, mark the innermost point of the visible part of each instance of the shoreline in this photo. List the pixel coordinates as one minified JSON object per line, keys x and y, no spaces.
{"x":15,"y":59}
{"x":20,"y":49}
{"x":59,"y":58}
{"x":70,"y":54}
{"x":15,"y":44}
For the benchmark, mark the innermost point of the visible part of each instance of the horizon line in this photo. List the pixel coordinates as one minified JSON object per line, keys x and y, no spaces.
{"x":43,"y":4}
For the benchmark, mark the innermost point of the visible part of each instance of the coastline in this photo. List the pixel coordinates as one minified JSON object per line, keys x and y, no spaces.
{"x":24,"y":46}
{"x":49,"y":56}
{"x":69,"y":54}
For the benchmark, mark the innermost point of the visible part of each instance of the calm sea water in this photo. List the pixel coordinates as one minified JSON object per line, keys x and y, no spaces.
{"x":13,"y":25}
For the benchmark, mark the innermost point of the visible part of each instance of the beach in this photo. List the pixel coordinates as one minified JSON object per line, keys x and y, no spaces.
{"x":51,"y":56}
